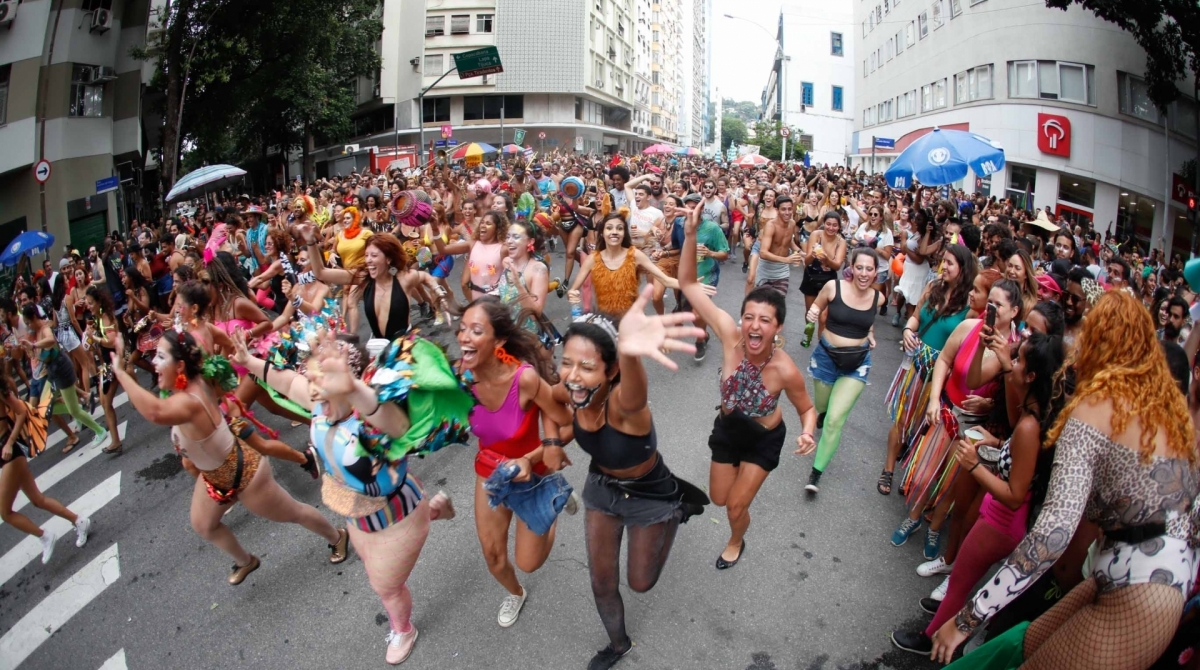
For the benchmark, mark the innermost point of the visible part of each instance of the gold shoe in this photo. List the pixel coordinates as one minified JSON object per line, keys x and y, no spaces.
{"x":339,"y":551}
{"x":239,"y":574}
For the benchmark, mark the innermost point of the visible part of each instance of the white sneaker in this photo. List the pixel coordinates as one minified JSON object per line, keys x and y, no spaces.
{"x":48,"y":539}
{"x":100,"y":439}
{"x":935,"y":567}
{"x":572,"y":506}
{"x":939,"y":594}
{"x":82,"y":526}
{"x":510,"y":609}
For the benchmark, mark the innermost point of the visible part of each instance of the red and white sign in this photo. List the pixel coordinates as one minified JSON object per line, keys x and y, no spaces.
{"x":784,"y":132}
{"x":41,"y":171}
{"x":1180,"y":190}
{"x":542,"y":135}
{"x":447,"y":132}
{"x":1054,"y":135}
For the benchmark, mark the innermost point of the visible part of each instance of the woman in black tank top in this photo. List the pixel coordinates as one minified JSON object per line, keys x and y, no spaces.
{"x":628,"y":484}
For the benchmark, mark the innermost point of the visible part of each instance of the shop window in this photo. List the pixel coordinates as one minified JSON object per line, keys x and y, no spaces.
{"x":5,"y":74}
{"x":1135,"y":216}
{"x":1022,"y":179}
{"x":1077,"y":191}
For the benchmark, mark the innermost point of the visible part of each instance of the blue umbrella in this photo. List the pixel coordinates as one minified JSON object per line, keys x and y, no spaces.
{"x":942,"y":157}
{"x":28,"y":243}
{"x":201,"y":181}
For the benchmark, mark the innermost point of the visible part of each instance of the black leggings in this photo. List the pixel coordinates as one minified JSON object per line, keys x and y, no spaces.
{"x":648,"y":549}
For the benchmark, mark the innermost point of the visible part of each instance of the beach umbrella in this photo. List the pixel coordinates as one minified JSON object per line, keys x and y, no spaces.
{"x":473,"y":153}
{"x":512,"y":149}
{"x":942,"y":157}
{"x":658,"y":149}
{"x":208,"y":178}
{"x":751,"y":161}
{"x":28,"y":243}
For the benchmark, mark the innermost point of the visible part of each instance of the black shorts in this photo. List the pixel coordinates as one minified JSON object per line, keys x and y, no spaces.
{"x":664,"y":493}
{"x":737,"y":439}
{"x":815,"y":281}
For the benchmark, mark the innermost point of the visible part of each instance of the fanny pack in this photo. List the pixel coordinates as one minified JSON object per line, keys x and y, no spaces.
{"x":847,"y":359}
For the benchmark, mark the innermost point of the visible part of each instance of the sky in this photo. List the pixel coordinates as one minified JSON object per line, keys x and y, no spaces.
{"x":743,"y":53}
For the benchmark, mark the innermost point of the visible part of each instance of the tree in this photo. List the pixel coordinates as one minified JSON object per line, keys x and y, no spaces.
{"x":746,"y":111}
{"x":733,"y":131}
{"x":1167,"y":30}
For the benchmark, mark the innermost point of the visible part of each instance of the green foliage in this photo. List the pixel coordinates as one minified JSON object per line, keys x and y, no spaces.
{"x":771,"y":144}
{"x":746,"y":111}
{"x":1168,"y":31}
{"x":733,"y":131}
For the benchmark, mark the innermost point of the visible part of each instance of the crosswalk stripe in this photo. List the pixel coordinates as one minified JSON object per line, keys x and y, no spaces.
{"x":118,"y":400}
{"x":64,"y":468}
{"x":56,"y":609}
{"x":116,"y":662}
{"x":30,"y":548}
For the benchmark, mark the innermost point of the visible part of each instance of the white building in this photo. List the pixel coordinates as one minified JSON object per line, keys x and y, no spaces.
{"x":697,"y":27}
{"x":817,"y":75}
{"x":666,"y":85}
{"x":642,"y":86}
{"x":1060,"y":91}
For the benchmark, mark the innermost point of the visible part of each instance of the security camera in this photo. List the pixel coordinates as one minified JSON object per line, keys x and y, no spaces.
{"x":414,"y":61}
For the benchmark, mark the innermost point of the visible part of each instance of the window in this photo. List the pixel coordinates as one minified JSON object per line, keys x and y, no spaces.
{"x":974,"y":84}
{"x":906,"y":104}
{"x":864,"y":28}
{"x":869,"y":116}
{"x":1077,"y":191}
{"x":899,"y":42}
{"x":435,"y":25}
{"x":878,"y":15}
{"x":433,"y":65}
{"x":923,"y":24}
{"x":1052,"y":80}
{"x":887,"y":7}
{"x":874,"y":61}
{"x":484,"y":23}
{"x":87,"y":99}
{"x":910,"y":34}
{"x":955,"y":8}
{"x":1182,"y":117}
{"x":435,"y":110}
{"x":871,"y":20}
{"x":835,"y":40}
{"x":1020,"y":180}
{"x":489,"y":107}
{"x":976,"y":2}
{"x":5,"y":74}
{"x":939,"y":94}
{"x":885,"y":111}
{"x":927,"y":98}
{"x":460,"y":24}
{"x":837,"y":98}
{"x":1133,"y":98}
{"x":891,"y":48}
{"x":865,"y":71}
{"x":938,"y":9}
{"x":806,"y":93}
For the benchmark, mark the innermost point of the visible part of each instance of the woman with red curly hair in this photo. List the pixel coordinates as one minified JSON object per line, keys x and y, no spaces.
{"x":1126,"y":460}
{"x":352,"y":239}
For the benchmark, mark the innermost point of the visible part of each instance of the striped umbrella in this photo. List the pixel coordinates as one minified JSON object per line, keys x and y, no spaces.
{"x":512,"y":149}
{"x":473,"y":153}
{"x":201,"y":181}
{"x":658,"y":149}
{"x":687,"y":151}
{"x":752,"y":161}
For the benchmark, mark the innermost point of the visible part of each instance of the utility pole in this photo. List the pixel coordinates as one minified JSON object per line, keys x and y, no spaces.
{"x":421,"y":114}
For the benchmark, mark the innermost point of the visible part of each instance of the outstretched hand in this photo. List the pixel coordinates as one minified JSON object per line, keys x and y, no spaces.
{"x":333,"y":368}
{"x":241,"y":352}
{"x":642,"y":335}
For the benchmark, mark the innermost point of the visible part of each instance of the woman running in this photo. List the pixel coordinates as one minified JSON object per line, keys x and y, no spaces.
{"x":59,"y":371}
{"x":748,"y":431}
{"x":825,"y":250}
{"x":231,"y":472}
{"x":628,"y":483}
{"x":1125,"y":459}
{"x":514,"y":398}
{"x":842,"y":359}
{"x":24,"y":436}
{"x":526,"y":281}
{"x":764,"y":213}
{"x":101,"y":336}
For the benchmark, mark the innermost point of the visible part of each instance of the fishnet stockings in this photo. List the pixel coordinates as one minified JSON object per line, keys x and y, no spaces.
{"x":1125,"y":629}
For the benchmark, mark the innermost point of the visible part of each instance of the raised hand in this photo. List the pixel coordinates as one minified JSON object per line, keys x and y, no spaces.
{"x":241,"y":352}
{"x":654,"y":336}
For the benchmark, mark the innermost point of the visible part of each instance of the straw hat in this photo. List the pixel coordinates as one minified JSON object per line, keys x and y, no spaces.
{"x":1042,"y":221}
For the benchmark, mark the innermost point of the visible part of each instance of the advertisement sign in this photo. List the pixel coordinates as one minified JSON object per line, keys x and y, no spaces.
{"x":1054,"y":135}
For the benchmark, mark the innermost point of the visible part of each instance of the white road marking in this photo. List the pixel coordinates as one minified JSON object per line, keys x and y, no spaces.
{"x":30,"y":548}
{"x":56,"y":609}
{"x":117,"y":662}
{"x":64,"y":468}
{"x":118,"y":400}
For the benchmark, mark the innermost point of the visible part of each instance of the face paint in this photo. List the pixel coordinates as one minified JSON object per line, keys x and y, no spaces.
{"x":590,"y":392}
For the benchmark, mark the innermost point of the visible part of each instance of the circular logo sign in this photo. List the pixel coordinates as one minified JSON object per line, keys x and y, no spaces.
{"x":16,"y":247}
{"x":939,"y":156}
{"x":784,"y":132}
{"x":541,"y":136}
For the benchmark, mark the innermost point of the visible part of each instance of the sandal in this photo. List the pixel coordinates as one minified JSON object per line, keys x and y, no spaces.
{"x":114,"y":450}
{"x":884,"y":485}
{"x":70,"y":445}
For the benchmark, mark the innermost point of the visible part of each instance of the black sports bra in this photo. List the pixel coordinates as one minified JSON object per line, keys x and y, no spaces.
{"x":613,"y":450}
{"x":397,"y":314}
{"x":846,"y":321}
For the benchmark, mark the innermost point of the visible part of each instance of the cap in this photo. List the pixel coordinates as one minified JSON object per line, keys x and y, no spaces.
{"x":692,"y":197}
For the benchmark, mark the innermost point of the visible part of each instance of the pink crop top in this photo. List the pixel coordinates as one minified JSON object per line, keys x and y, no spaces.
{"x":956,"y":385}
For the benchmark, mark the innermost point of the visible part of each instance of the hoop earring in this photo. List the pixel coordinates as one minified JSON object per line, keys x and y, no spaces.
{"x":181,"y":381}
{"x":504,"y":357}
{"x":778,"y":341}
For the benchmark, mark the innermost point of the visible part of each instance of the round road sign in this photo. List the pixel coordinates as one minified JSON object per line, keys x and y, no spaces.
{"x":784,"y":131}
{"x":541,"y":135}
{"x":41,"y":171}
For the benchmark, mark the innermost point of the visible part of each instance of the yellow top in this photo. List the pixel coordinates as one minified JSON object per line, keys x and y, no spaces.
{"x":352,"y":251}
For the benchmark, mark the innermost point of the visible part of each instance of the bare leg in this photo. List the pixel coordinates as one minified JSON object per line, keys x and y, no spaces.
{"x":266,"y":498}
{"x":492,"y":527}
{"x":206,"y":521}
{"x":16,"y":477}
{"x":389,"y":557}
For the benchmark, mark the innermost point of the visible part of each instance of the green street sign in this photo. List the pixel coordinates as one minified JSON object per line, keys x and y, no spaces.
{"x":518,"y":136}
{"x":478,"y":62}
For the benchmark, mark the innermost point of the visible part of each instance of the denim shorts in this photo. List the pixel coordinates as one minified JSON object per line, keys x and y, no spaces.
{"x":823,"y":370}
{"x":600,"y":495}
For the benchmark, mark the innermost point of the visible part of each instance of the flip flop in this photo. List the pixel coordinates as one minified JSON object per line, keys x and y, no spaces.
{"x":70,"y":446}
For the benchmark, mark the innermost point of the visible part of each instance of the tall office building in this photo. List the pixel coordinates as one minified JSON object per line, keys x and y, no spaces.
{"x":1061,"y":92}
{"x":701,"y":10}
{"x":643,"y":76}
{"x":666,"y":30}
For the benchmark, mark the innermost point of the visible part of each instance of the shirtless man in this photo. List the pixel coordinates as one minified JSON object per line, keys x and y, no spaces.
{"x":777,"y":253}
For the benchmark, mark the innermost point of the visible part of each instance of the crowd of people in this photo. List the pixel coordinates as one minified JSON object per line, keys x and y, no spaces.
{"x":1042,"y":417}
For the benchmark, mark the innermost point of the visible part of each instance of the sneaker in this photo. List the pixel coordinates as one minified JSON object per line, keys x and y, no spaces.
{"x":745,"y":268}
{"x":896,"y":318}
{"x":400,"y":645}
{"x":701,"y":350}
{"x":929,"y":605}
{"x":607,"y":658}
{"x":83,"y":526}
{"x":907,"y":528}
{"x":916,"y":643}
{"x":814,"y":481}
{"x":572,"y":507}
{"x":48,"y":539}
{"x":510,"y":609}
{"x":933,"y":542}
{"x":99,"y":439}
{"x":883,"y":309}
{"x":939,"y":594}
{"x":937,"y":566}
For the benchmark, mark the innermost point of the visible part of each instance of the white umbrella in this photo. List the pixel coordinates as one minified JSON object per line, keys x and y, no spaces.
{"x":201,"y":181}
{"x":752,"y":161}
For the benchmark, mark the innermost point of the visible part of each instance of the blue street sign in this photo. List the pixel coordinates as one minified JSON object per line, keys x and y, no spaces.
{"x":885,"y":143}
{"x":107,"y":184}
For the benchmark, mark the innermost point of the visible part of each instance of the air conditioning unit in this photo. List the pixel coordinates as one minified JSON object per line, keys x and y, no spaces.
{"x":103,"y":73}
{"x":350,"y":148}
{"x":612,"y":54}
{"x":8,"y":12}
{"x":101,"y":20}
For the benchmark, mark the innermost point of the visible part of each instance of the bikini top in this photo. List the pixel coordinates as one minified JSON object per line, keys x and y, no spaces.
{"x":612,"y":449}
{"x":846,"y":321}
{"x":397,"y":324}
{"x":744,"y":391}
{"x":210,"y":452}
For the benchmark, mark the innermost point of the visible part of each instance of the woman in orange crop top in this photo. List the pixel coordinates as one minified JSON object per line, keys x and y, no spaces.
{"x":509,"y":381}
{"x":230,"y":470}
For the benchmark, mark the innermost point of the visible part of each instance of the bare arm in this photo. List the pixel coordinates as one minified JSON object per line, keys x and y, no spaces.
{"x":722,"y":324}
{"x":643,"y":261}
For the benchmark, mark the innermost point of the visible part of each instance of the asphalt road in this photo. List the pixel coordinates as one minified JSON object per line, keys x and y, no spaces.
{"x":819,"y":586}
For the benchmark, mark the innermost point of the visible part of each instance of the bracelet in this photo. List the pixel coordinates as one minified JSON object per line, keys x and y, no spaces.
{"x":974,"y":466}
{"x":552,"y":442}
{"x":266,"y":368}
{"x":908,"y":330}
{"x":808,"y":433}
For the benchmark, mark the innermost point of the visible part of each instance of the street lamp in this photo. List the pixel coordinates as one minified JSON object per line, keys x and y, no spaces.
{"x":783,"y":60}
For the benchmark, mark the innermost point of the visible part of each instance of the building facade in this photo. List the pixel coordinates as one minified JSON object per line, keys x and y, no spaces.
{"x":642,"y":81}
{"x":666,"y":48}
{"x":71,"y":94}
{"x":1061,"y":92}
{"x":810,"y":89}
{"x":701,"y":11}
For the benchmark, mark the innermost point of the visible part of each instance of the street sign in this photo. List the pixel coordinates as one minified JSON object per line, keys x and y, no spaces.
{"x":542,"y":135}
{"x":107,"y":184}
{"x":518,"y":136}
{"x":784,"y":131}
{"x":885,"y":143}
{"x":478,"y":62}
{"x":579,"y":143}
{"x":447,"y":132}
{"x":41,"y":171}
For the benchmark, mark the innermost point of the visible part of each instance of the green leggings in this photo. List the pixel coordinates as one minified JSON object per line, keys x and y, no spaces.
{"x":835,"y":402}
{"x":70,"y":405}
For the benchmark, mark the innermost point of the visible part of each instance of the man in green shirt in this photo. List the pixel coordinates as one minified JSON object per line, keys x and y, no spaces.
{"x":712,"y":249}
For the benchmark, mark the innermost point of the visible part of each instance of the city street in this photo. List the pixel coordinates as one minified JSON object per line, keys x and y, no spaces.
{"x":819,"y":586}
